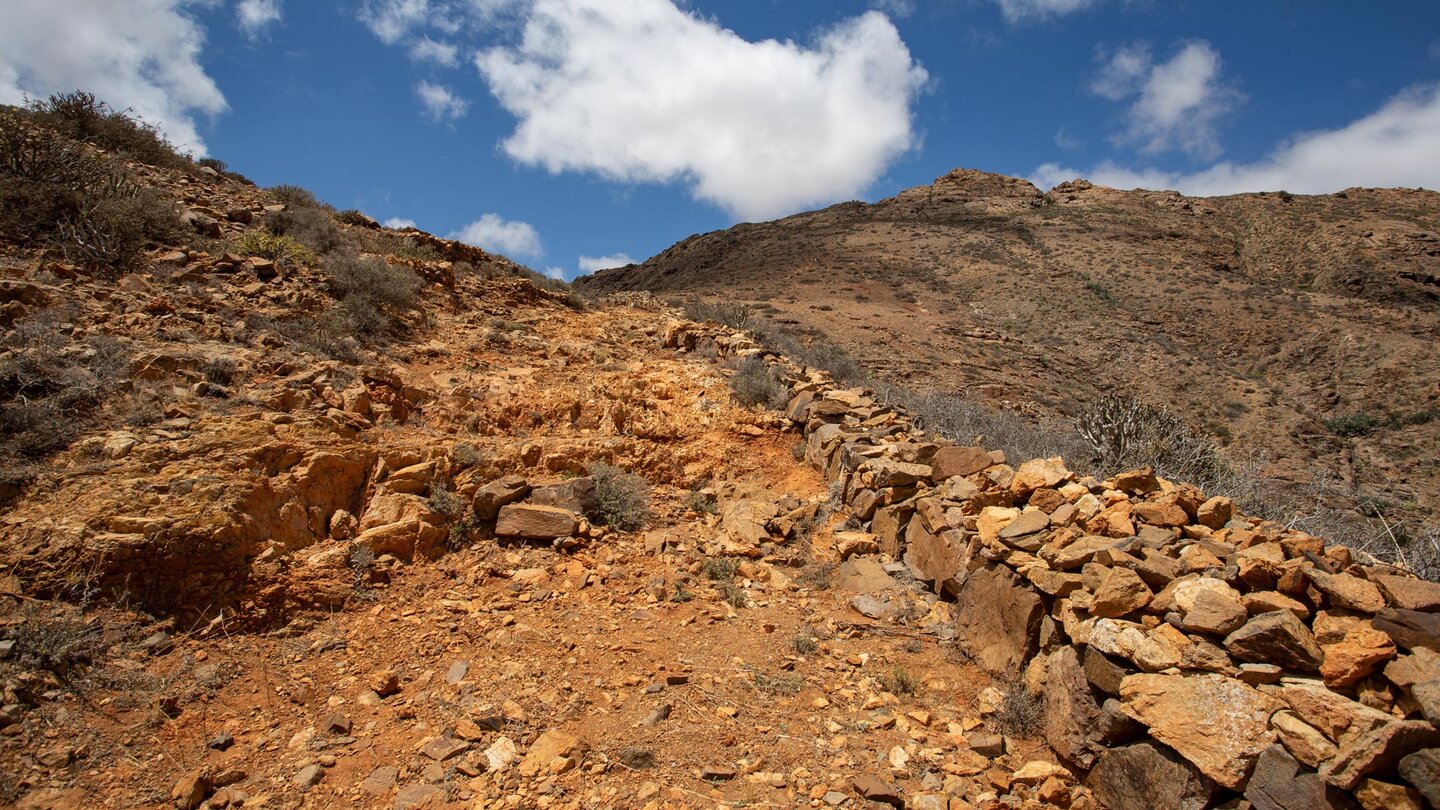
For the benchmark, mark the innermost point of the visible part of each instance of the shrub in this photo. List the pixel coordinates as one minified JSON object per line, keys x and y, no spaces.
{"x":804,"y":644}
{"x":1352,"y":425}
{"x":294,"y":195}
{"x":48,"y":391}
{"x":444,"y":501}
{"x":54,"y":192}
{"x":55,"y":643}
{"x":283,"y":250}
{"x":220,"y":370}
{"x":354,"y":216}
{"x":735,"y":316}
{"x":719,"y":569}
{"x":754,"y":384}
{"x":215,"y":164}
{"x":699,"y":502}
{"x":370,"y":282}
{"x":1019,"y":713}
{"x":466,"y":456}
{"x":622,"y":498}
{"x":83,"y":117}
{"x":899,"y":681}
{"x":311,"y":227}
{"x":1126,"y":433}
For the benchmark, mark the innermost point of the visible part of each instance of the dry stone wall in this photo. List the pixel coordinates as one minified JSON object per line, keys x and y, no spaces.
{"x":1188,"y":655}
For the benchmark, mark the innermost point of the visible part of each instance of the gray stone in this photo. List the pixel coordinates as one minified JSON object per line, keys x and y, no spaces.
{"x":1146,"y":775}
{"x":1280,"y":783}
{"x":1422,"y":770}
{"x":1276,"y":637}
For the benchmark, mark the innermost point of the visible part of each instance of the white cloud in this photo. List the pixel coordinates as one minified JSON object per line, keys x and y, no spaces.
{"x":1017,"y":11}
{"x":1065,"y":140}
{"x":589,"y":264}
{"x":440,"y":104}
{"x":1123,"y":73}
{"x":1178,"y":103}
{"x":393,"y":20}
{"x":1393,"y":146}
{"x":512,"y":238}
{"x":254,"y":16}
{"x":429,"y":50}
{"x":136,"y":54}
{"x":399,"y":223}
{"x":645,"y":92}
{"x":557,"y":273}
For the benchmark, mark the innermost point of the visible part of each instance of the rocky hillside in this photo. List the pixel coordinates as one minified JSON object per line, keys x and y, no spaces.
{"x":1294,"y":328}
{"x":304,"y":512}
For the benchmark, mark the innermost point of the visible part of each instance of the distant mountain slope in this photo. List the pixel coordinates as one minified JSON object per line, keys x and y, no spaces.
{"x":1303,"y":327}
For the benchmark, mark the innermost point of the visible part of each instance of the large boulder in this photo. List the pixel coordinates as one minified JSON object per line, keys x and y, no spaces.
{"x":998,"y":620}
{"x":1217,"y":723}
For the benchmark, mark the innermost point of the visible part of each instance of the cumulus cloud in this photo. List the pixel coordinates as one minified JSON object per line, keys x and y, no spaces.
{"x":1178,"y":104}
{"x":1017,"y":11}
{"x":440,"y":103}
{"x":441,"y":53}
{"x":254,"y":16}
{"x":494,"y":233}
{"x":644,"y":91}
{"x":136,"y":54}
{"x":589,"y":264}
{"x":557,"y":273}
{"x":399,"y":223}
{"x":1393,"y":146}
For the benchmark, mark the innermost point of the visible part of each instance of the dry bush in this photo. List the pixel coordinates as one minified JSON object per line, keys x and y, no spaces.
{"x":51,"y":388}
{"x":55,"y":642}
{"x":1019,"y":714}
{"x":311,"y":227}
{"x":55,"y":192}
{"x":295,"y":196}
{"x":754,"y":384}
{"x":622,"y":498}
{"x":83,"y":117}
{"x":898,"y":681}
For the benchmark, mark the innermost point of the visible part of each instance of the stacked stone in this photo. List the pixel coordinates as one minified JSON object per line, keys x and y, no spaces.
{"x":1187,"y":654}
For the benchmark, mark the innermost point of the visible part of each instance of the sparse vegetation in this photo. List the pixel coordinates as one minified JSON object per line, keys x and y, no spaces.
{"x":622,"y":498}
{"x":898,"y":681}
{"x":294,"y":196}
{"x":700,"y":502}
{"x":58,"y":193}
{"x":1019,"y":713}
{"x":720,"y":569}
{"x":81,"y":116}
{"x":283,"y":250}
{"x":311,"y":227}
{"x":56,"y":642}
{"x":444,"y":501}
{"x":754,"y":384}
{"x":49,"y":393}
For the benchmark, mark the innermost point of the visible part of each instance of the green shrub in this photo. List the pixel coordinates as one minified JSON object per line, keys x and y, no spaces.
{"x":371,"y":291}
{"x":899,"y":681}
{"x":622,"y":498}
{"x":1352,"y":425}
{"x":720,"y":569}
{"x":283,"y":250}
{"x":754,"y":384}
{"x":354,"y":216}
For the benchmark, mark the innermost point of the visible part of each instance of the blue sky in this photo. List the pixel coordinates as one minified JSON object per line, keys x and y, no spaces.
{"x":571,"y":133}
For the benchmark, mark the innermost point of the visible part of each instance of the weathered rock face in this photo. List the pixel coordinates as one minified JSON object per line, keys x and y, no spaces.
{"x":1217,"y":723}
{"x":1147,"y":775}
{"x":536,"y":522}
{"x":1001,"y":640}
{"x":1071,"y":713}
{"x":577,"y":495}
{"x":1276,"y":637}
